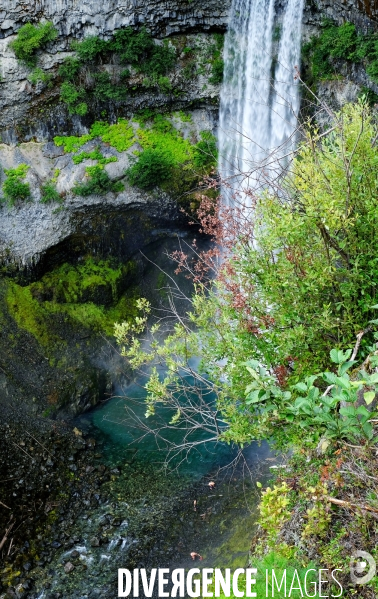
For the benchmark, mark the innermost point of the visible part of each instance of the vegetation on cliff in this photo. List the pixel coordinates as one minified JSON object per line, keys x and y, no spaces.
{"x":90,"y":294}
{"x":286,"y":329}
{"x":14,"y":187}
{"x":337,"y":43}
{"x":165,"y":159}
{"x":30,"y":38}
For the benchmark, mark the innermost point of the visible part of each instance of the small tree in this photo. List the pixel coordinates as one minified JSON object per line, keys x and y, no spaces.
{"x":297,"y":277}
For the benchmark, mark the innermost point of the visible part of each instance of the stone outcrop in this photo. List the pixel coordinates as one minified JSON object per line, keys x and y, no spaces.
{"x":33,"y":232}
{"x":75,"y":19}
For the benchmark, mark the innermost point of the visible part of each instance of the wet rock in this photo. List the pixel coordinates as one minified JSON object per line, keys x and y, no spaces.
{"x":95,"y":542}
{"x":50,"y":150}
{"x":69,"y":567}
{"x":75,"y":554}
{"x":27,"y":566}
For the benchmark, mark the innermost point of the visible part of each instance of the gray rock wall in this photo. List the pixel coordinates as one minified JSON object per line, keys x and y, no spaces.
{"x":90,"y":17}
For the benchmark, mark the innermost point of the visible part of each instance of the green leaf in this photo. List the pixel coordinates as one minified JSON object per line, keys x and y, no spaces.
{"x":258,"y":484}
{"x":348,"y":411}
{"x":301,"y":387}
{"x":330,"y":377}
{"x":369,"y":397}
{"x":335,"y":356}
{"x":344,"y":367}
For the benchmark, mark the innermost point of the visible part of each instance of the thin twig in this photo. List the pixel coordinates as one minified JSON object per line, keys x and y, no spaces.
{"x":349,"y":505}
{"x":358,"y":342}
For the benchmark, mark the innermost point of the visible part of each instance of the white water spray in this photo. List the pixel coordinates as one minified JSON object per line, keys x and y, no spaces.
{"x":259,"y":108}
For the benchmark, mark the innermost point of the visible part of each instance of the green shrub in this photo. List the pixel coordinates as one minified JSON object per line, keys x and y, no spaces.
{"x":49,"y":193}
{"x":38,"y":75}
{"x":73,"y":96}
{"x":30,"y":38}
{"x":98,"y":183}
{"x":205,"y":151}
{"x":105,"y":89}
{"x":164,"y":85}
{"x":70,"y":68}
{"x":217,"y":71}
{"x":153,"y":168}
{"x":340,"y":42}
{"x":13,"y":187}
{"x":89,"y":48}
{"x":135,"y":48}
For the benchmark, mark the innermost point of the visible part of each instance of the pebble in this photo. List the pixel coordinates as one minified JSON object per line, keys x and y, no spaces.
{"x":69,"y":567}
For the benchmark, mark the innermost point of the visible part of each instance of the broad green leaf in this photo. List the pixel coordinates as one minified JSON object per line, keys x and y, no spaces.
{"x":301,"y":387}
{"x":335,"y":356}
{"x":348,"y":411}
{"x":369,"y":397}
{"x":330,"y":377}
{"x":344,"y":367}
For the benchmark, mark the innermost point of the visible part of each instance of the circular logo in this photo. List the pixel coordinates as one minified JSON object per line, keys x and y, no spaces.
{"x":362,"y":567}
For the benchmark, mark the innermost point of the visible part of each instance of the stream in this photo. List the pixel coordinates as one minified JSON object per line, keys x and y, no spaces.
{"x":143,"y":514}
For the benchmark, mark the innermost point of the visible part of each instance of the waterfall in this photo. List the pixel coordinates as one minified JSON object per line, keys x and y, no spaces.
{"x":260,"y":96}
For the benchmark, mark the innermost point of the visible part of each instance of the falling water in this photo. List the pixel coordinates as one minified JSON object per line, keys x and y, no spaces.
{"x":260,"y":96}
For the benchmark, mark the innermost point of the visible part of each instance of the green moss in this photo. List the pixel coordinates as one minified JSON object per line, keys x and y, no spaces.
{"x":119,"y":136}
{"x":77,"y":292}
{"x":28,"y":313}
{"x":72,"y":143}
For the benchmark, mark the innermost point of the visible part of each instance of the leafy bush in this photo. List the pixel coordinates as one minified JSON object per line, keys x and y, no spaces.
{"x":136,"y":48}
{"x":340,"y":42}
{"x":164,"y":84}
{"x":30,"y":38}
{"x":72,"y":96}
{"x":70,"y":68}
{"x":89,"y":48}
{"x":98,"y":183}
{"x":205,"y":151}
{"x":104,"y":88}
{"x":49,"y":193}
{"x":13,"y":187}
{"x":140,"y":50}
{"x":217,"y":71}
{"x":153,"y":168}
{"x":38,"y":75}
{"x":300,"y":280}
